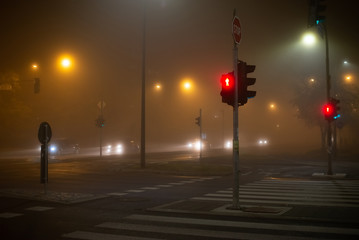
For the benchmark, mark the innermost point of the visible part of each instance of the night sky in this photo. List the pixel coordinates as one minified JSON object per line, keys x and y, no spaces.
{"x":185,"y":39}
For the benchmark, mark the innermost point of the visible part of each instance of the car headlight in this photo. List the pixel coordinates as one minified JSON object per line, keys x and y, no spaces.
{"x":53,"y":148}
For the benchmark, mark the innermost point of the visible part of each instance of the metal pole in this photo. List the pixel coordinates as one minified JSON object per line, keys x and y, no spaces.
{"x":200,"y":134}
{"x":101,"y":115}
{"x":143,"y":93}
{"x":223,"y":144}
{"x":235,"y":130}
{"x":329,"y":131}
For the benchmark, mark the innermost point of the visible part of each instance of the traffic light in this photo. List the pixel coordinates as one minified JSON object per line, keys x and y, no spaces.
{"x":335,"y":102}
{"x":227,"y":93}
{"x":328,"y":111}
{"x":244,"y":82}
{"x":37,"y":85}
{"x":100,"y":122}
{"x":316,"y":9}
{"x":198,"y":121}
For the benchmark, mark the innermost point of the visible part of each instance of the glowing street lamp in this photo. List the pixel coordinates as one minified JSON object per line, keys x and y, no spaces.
{"x":348,"y":79}
{"x":35,"y":67}
{"x":65,"y":62}
{"x":309,"y":39}
{"x":158,"y":86}
{"x":187,"y":85}
{"x":272,"y":106}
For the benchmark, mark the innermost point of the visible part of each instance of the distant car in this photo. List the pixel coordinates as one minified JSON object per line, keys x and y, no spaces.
{"x":196,"y":145}
{"x":262,"y":142}
{"x":63,"y":146}
{"x":121,"y":147}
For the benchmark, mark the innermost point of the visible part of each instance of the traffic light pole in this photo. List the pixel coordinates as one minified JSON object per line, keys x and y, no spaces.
{"x":235,"y":133}
{"x":200,"y":135}
{"x":143,"y":93}
{"x":329,"y":130}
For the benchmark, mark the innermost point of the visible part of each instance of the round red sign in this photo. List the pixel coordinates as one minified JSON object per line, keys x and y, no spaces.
{"x":236,"y":30}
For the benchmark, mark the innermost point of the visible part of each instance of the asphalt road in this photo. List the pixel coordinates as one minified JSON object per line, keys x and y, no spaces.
{"x":178,"y":197}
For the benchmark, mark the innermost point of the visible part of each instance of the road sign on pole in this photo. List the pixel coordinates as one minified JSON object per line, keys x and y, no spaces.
{"x":236,"y":30}
{"x":44,"y":135}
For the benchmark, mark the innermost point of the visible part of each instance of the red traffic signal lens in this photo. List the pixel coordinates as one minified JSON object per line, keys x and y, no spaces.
{"x":328,"y":109}
{"x":227,"y":81}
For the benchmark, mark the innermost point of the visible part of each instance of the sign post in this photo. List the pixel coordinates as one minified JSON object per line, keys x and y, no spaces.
{"x":236,"y":32}
{"x":44,"y":136}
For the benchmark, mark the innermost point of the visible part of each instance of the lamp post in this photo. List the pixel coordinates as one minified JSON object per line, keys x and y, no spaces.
{"x":143,"y":92}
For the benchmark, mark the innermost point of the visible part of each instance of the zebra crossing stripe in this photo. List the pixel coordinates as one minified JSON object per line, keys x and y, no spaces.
{"x":251,"y":225}
{"x":299,"y":198}
{"x":135,"y":191}
{"x":117,"y":194}
{"x":251,"y":200}
{"x":150,"y":188}
{"x":313,"y":184}
{"x":334,"y":182}
{"x":195,"y":232}
{"x":10,"y":215}
{"x":101,"y":236}
{"x":293,"y":193}
{"x":306,"y":191}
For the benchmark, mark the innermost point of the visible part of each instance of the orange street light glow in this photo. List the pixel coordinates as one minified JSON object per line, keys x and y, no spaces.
{"x":158,"y":86}
{"x":65,"y":62}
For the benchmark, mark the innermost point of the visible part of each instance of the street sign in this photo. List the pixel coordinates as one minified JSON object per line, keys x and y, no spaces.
{"x":236,"y":30}
{"x":44,"y":134}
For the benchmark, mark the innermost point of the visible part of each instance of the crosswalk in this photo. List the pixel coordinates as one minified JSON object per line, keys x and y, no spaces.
{"x":274,"y":192}
{"x":161,"y":186}
{"x":336,"y":193}
{"x":140,"y":227}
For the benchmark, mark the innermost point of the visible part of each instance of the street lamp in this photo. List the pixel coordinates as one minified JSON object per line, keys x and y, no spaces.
{"x":272,"y":106}
{"x":187,"y":85}
{"x":348,"y":79}
{"x":65,"y":62}
{"x":158,"y":86}
{"x":309,"y":39}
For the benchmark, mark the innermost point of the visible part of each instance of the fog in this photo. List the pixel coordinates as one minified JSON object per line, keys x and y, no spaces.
{"x":184,"y":40}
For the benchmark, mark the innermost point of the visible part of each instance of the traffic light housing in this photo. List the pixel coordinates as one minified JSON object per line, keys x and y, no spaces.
{"x":37,"y":85}
{"x":100,"y":122}
{"x":244,"y":81}
{"x":228,"y":83}
{"x":336,"y":102}
{"x":330,"y":110}
{"x":316,"y":9}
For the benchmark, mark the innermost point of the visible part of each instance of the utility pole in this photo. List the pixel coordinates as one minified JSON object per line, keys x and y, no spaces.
{"x":327,"y":73}
{"x":143,"y":92}
{"x":235,"y":191}
{"x":200,"y":135}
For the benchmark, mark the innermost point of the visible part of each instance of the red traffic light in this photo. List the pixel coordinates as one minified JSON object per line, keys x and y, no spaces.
{"x":227,"y":81}
{"x":227,"y":93}
{"x":329,"y":111}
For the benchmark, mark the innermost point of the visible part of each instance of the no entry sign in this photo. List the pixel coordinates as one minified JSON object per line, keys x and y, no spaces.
{"x":236,"y":30}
